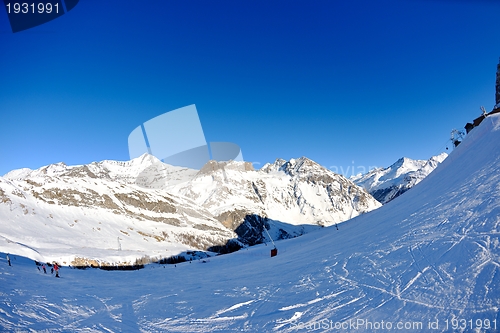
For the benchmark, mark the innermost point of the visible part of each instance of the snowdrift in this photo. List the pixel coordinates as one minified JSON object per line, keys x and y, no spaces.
{"x":427,"y":261}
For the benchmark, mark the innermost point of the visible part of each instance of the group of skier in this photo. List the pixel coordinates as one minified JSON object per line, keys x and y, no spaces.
{"x":53,"y":268}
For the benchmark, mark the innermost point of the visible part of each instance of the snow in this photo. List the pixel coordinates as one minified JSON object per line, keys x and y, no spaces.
{"x":297,"y":192}
{"x":427,"y":257}
{"x":51,"y":230}
{"x":18,"y":174}
{"x":113,"y":212}
{"x":385,"y":184}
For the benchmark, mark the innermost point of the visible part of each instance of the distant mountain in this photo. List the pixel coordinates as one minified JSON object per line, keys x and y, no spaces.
{"x":386,"y":184}
{"x":144,"y":207}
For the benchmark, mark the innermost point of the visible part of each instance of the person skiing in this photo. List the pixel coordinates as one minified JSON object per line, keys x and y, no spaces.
{"x":44,"y":270}
{"x":8,"y":259}
{"x":56,"y":268}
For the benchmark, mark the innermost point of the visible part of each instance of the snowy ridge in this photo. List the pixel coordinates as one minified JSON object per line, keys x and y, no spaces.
{"x":385,"y":184}
{"x":426,"y":258}
{"x":146,"y":171}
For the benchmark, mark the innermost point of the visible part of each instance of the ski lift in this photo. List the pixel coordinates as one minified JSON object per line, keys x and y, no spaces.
{"x":274,"y":251}
{"x":456,"y":137}
{"x":483,"y":111}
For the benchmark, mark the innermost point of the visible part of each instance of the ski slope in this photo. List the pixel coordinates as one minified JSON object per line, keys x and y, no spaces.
{"x":428,"y":261}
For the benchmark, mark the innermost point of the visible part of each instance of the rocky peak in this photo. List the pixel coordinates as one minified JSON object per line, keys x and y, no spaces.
{"x":301,"y":166}
{"x":273,"y":167}
{"x":294,"y":167}
{"x":216,"y":166}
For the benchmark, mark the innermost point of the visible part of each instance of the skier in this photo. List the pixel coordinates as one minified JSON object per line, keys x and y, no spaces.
{"x":44,"y":270}
{"x":8,"y":259}
{"x":56,"y":268}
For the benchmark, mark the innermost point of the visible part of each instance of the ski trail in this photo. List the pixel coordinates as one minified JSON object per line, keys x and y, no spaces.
{"x":234,"y":307}
{"x":430,"y":264}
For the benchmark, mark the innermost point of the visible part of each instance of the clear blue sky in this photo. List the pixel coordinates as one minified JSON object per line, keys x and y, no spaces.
{"x":336,"y":81}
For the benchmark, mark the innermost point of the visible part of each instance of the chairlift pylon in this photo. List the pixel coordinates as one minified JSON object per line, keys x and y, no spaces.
{"x":456,"y":137}
{"x":274,"y":251}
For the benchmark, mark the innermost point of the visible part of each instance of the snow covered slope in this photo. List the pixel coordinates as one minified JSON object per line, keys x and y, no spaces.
{"x":428,"y":261}
{"x":385,"y":184}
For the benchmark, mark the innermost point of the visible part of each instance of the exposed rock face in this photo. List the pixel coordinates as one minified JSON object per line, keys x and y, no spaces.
{"x":232,"y":219}
{"x":250,"y":227}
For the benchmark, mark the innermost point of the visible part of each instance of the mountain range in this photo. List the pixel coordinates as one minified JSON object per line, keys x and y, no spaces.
{"x":144,"y":208}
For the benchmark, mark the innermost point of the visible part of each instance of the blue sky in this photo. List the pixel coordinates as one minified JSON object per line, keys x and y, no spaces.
{"x":345,"y":83}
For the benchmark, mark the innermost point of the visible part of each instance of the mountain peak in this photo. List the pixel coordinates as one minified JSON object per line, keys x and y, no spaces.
{"x":385,"y":184}
{"x":294,"y":166}
{"x":408,"y":163}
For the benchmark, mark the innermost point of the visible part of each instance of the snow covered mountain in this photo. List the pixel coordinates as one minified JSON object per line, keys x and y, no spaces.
{"x":67,"y":213}
{"x":386,"y":184}
{"x":426,"y":262}
{"x":298,"y":192}
{"x":145,"y":208}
